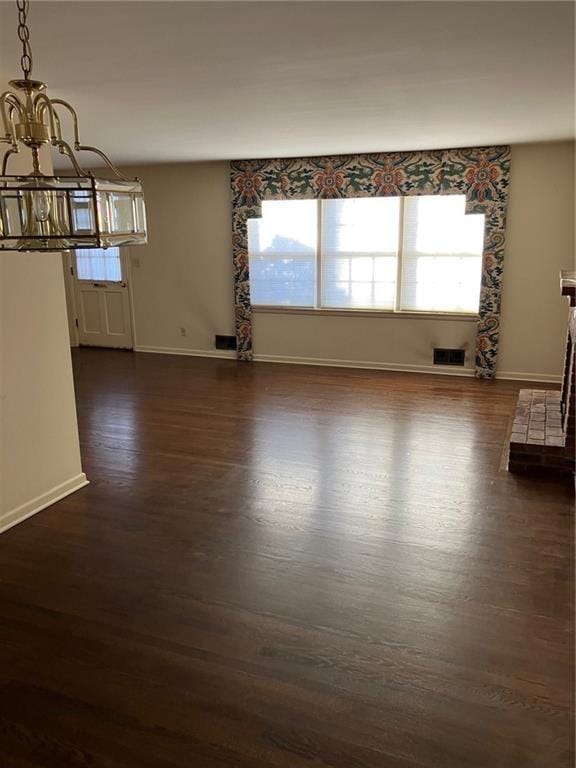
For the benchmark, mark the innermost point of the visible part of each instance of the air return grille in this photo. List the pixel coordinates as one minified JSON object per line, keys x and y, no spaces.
{"x":225,"y":342}
{"x":449,"y":356}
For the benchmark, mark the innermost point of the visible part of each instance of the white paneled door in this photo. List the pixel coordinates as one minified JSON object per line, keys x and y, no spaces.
{"x":102,"y":298}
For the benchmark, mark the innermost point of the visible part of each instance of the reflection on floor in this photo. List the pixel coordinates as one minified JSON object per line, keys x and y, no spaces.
{"x":292,"y":567}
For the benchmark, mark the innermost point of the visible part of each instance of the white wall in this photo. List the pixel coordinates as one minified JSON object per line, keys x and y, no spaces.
{"x":183,"y":278}
{"x":39,"y":448}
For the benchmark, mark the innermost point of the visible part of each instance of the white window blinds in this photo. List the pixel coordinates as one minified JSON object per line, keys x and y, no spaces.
{"x":282,"y":248}
{"x":359,"y":251}
{"x":420,"y":254}
{"x":441,"y":255}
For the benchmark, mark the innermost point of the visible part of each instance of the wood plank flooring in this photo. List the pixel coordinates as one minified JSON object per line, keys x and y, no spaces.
{"x":288,"y":567}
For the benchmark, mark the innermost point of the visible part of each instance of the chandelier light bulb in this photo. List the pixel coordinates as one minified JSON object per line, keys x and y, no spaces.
{"x":41,"y":205}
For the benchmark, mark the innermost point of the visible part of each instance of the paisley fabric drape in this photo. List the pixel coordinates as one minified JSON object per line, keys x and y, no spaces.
{"x":479,"y":173}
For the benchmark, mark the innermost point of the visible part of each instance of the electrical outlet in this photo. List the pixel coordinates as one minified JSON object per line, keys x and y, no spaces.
{"x":182,"y":331}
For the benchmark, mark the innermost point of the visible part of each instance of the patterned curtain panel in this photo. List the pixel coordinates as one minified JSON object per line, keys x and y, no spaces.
{"x":481,"y":174}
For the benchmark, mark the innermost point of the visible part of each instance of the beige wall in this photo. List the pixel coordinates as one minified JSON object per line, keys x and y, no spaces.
{"x":39,"y":448}
{"x":183,"y":278}
{"x":540,"y":242}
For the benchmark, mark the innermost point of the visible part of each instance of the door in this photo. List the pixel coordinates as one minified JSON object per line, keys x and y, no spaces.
{"x":102,"y":298}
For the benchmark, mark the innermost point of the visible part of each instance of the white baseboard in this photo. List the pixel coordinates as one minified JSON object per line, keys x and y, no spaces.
{"x":222,"y":353}
{"x":441,"y":370}
{"x":17,"y":515}
{"x":545,"y":378}
{"x":372,"y":365}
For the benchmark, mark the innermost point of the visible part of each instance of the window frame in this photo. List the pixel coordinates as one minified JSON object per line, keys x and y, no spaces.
{"x":318,"y":309}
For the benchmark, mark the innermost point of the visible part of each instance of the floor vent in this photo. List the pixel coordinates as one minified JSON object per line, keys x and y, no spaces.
{"x":225,"y":342}
{"x":449,"y":356}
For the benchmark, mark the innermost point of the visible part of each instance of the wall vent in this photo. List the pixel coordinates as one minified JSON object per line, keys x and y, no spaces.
{"x":449,"y":356}
{"x":225,"y":342}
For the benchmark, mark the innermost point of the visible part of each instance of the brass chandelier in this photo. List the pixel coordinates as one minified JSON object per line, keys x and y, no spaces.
{"x":40,"y":212}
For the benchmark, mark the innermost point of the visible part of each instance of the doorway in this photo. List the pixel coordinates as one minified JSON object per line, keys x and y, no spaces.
{"x":102,"y":299}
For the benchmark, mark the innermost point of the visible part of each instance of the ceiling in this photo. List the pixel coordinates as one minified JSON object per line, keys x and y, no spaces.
{"x":186,"y":81}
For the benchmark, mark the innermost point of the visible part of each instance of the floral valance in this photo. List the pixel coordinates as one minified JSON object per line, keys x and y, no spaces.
{"x":479,"y":173}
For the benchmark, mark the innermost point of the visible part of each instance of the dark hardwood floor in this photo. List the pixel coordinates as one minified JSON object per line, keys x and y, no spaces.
{"x":288,"y":567}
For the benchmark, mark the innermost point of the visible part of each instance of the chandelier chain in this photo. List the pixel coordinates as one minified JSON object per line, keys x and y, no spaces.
{"x":24,"y":36}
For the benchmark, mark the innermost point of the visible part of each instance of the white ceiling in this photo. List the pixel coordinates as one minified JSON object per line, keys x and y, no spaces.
{"x":173,"y":81}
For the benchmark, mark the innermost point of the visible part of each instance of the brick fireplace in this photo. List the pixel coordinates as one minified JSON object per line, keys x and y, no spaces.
{"x":542,"y":439}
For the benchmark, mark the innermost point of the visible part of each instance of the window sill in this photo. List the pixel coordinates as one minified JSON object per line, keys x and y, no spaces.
{"x":403,"y":315}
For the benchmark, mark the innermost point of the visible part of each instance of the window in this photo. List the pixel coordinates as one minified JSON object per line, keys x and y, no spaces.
{"x":420,"y":254}
{"x":282,"y":246}
{"x":359,"y":252}
{"x":99,"y":264}
{"x":441,"y":255}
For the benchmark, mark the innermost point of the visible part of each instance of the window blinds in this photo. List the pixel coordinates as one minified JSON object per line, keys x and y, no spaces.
{"x":441,"y":255}
{"x":351,"y":253}
{"x":282,"y":251}
{"x":359,"y":250}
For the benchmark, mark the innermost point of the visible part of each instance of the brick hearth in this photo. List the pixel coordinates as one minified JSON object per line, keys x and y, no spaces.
{"x":538,"y":441}
{"x":542,"y":438}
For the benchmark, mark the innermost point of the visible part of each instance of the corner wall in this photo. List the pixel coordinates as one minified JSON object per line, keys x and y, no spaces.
{"x":183,"y":279}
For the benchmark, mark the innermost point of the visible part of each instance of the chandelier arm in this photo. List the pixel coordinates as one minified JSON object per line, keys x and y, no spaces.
{"x":82,"y":148}
{"x":9,"y":100}
{"x":58,"y":123}
{"x":12,"y":151}
{"x":46,"y":105}
{"x":11,"y":109}
{"x":106,"y":159}
{"x":72,"y":112}
{"x":65,"y":149}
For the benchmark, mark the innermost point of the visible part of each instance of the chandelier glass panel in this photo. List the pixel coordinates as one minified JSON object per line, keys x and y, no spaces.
{"x":40,"y":212}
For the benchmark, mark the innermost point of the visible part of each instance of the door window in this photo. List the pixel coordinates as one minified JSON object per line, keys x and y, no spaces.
{"x":99,"y":264}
